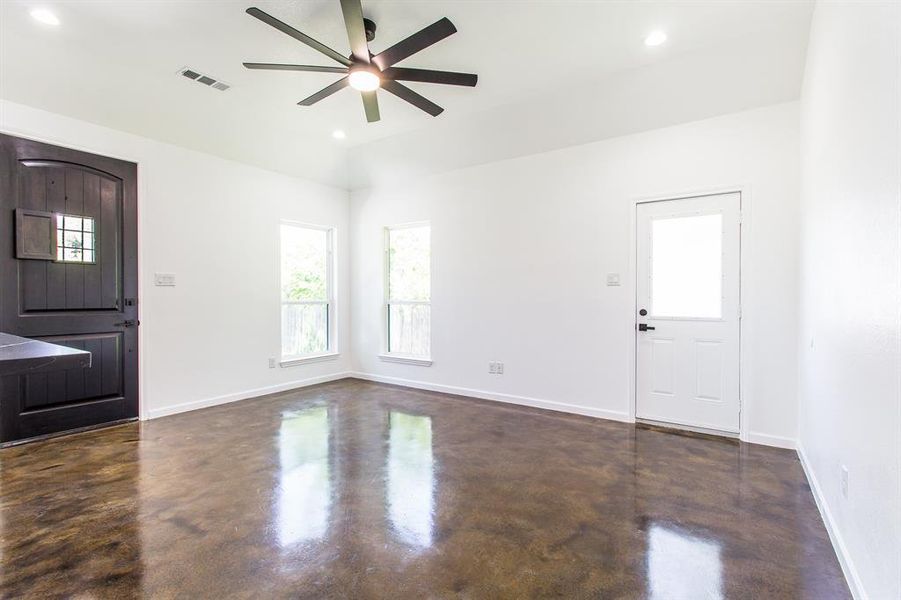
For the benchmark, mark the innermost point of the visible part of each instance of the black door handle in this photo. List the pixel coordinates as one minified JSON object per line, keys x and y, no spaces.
{"x":127,"y":323}
{"x":644,"y":327}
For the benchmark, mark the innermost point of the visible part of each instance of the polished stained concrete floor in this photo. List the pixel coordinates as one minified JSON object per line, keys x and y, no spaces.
{"x":359,"y":490}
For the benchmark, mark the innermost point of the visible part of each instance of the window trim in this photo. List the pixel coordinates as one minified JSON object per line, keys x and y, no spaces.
{"x":331,"y":350}
{"x":386,"y":354}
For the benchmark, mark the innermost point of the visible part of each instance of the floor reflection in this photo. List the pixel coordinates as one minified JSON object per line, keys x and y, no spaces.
{"x":682,"y":566}
{"x":411,"y":479}
{"x":345,"y":490}
{"x":305,"y":487}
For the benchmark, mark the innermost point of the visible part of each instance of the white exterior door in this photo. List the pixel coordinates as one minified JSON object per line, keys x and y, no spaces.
{"x":688,"y":263}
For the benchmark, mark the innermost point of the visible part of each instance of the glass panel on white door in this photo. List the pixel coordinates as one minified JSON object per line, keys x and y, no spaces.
{"x":687,"y":267}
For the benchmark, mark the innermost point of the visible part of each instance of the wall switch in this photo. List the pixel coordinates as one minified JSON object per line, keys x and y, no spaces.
{"x":271,"y":363}
{"x":845,"y":482}
{"x":612,"y":279}
{"x":164,"y":279}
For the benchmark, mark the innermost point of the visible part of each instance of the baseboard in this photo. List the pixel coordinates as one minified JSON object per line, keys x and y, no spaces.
{"x":498,"y":397}
{"x":838,"y":543}
{"x":244,"y":395}
{"x":772,"y":440}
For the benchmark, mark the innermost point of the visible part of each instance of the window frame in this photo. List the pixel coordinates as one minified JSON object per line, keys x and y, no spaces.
{"x":386,"y":354}
{"x":330,"y":302}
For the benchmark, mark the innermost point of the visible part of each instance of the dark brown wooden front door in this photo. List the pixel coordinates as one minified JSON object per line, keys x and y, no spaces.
{"x":84,"y":297}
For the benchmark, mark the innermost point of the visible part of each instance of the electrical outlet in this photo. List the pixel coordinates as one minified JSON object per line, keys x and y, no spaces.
{"x":271,"y":363}
{"x":499,"y":368}
{"x":492,"y":368}
{"x":845,"y":481}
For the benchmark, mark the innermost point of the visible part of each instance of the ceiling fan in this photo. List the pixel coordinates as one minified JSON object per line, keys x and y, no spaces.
{"x":368,"y":72}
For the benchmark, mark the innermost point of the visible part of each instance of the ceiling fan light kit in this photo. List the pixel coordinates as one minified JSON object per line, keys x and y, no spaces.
{"x":367,"y":72}
{"x":364,"y":78}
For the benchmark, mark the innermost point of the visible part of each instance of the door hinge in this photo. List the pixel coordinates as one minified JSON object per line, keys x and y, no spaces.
{"x":127,"y":323}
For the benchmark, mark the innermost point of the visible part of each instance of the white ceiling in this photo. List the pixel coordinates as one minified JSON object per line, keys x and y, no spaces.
{"x":115,"y":63}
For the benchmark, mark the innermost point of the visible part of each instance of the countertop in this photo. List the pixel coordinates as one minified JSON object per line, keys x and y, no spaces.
{"x":23,"y":355}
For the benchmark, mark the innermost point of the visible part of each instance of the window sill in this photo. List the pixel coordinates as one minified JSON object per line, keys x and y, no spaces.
{"x":406,"y":360}
{"x":305,"y":360}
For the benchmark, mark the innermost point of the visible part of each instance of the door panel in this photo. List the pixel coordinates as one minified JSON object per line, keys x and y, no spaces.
{"x":84,"y":304}
{"x":709,"y":358}
{"x":102,"y":379}
{"x":56,"y":286}
{"x":662,"y":361}
{"x":687,"y":363}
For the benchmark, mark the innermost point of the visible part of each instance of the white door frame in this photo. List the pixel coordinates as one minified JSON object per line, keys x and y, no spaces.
{"x":744,"y":365}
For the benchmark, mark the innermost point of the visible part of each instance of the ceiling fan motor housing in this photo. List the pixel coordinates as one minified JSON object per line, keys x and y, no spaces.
{"x":369,"y":28}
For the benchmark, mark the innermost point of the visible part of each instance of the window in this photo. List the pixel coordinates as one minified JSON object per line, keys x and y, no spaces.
{"x":409,"y":291}
{"x":307,"y":291}
{"x":687,"y":267}
{"x":74,"y":239}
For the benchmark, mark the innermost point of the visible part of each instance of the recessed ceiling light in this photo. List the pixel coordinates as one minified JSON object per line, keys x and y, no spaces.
{"x":338,"y":134}
{"x":655,"y":38}
{"x":44,"y":16}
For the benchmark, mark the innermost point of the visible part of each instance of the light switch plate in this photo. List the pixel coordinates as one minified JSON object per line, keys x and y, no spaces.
{"x":164,"y":279}
{"x":612,"y":279}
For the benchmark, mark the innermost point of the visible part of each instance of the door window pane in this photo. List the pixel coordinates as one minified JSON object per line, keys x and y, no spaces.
{"x":687,"y":267}
{"x":73,"y":235}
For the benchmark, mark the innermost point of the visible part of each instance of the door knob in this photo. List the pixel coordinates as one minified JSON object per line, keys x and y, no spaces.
{"x":644,"y":327}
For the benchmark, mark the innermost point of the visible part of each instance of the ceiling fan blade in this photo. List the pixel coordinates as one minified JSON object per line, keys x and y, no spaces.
{"x":371,"y":106}
{"x":405,"y":93}
{"x":429,"y":76}
{"x":297,"y":35}
{"x":310,"y":68}
{"x":420,"y":40}
{"x":324,"y":92}
{"x":356,"y":33}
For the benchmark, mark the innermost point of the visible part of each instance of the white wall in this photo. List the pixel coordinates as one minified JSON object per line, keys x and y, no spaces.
{"x":521,"y":247}
{"x":214,"y":223}
{"x":850,"y":293}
